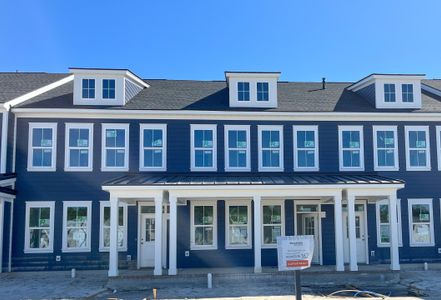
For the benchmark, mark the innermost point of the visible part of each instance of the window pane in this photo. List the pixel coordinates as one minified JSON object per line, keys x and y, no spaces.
{"x":384,"y":233}
{"x":39,"y":238}
{"x":421,"y":213}
{"x":77,"y":238}
{"x":384,"y":213}
{"x":270,"y":234}
{"x":198,"y":215}
{"x":208,"y":215}
{"x":421,"y":233}
{"x":238,"y":235}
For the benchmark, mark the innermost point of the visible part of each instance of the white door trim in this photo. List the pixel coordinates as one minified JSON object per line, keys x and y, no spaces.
{"x":364,"y":202}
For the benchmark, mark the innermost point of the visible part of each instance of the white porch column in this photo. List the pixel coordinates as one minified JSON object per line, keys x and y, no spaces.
{"x":113,"y":247}
{"x":158,"y":236}
{"x":352,"y":235}
{"x":338,"y":219}
{"x":173,"y":236}
{"x":257,"y":234}
{"x":394,"y":253}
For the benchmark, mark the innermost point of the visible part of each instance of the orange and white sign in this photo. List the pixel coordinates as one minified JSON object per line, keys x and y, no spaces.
{"x":295,"y":252}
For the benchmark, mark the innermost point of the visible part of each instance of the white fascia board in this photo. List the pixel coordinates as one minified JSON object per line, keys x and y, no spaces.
{"x":125,"y":73}
{"x":11,"y":103}
{"x":371,"y":79}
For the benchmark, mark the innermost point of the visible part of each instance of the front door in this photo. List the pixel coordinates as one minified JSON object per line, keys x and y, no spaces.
{"x":147,"y":248}
{"x":360,"y":234}
{"x":310,"y":227}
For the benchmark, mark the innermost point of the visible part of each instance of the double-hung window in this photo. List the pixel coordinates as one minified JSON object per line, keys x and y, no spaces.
{"x":203,"y":225}
{"x":79,"y":145}
{"x":153,"y":142}
{"x":42,"y":146}
{"x":238,"y":224}
{"x":39,"y":234}
{"x":421,"y":222}
{"x":243,"y":91}
{"x":407,"y":92}
{"x":270,"y":139}
{"x":237,"y":148}
{"x":384,"y":221}
{"x":76,"y":226}
{"x":306,"y":151}
{"x":88,"y":88}
{"x":108,"y":88}
{"x":389,"y":92}
{"x":385,"y":148}
{"x":273,"y":222}
{"x":417,"y":148}
{"x":262,"y":91}
{"x":203,"y":147}
{"x":351,"y":148}
{"x":105,"y":226}
{"x":115,"y":147}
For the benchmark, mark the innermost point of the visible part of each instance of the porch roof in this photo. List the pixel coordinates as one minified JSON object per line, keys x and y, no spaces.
{"x":140,"y":179}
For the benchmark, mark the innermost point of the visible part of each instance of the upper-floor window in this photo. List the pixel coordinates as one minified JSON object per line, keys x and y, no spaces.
{"x":421,"y":222}
{"x":153,"y":150}
{"x":270,"y":147}
{"x":203,"y":147}
{"x":351,"y":149}
{"x":385,"y":148}
{"x":108,"y":88}
{"x":42,"y":146}
{"x":115,"y":147}
{"x":262,"y":91}
{"x":417,"y":148}
{"x":88,"y":88}
{"x":237,"y":147}
{"x":306,"y":148}
{"x":389,"y":92}
{"x":39,"y":234}
{"x":243,"y":91}
{"x":438,"y":145}
{"x":79,"y":141}
{"x":407,"y":92}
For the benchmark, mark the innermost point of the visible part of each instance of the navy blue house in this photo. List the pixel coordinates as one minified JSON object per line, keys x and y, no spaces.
{"x":101,"y":169}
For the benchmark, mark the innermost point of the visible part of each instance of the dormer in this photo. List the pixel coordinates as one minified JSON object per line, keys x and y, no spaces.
{"x":391,"y":91}
{"x":113,"y":87}
{"x":252,"y":89}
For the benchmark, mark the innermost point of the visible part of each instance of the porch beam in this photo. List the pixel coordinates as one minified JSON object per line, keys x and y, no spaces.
{"x":338,"y":217}
{"x":113,"y":247}
{"x":173,"y":235}
{"x":352,"y":233}
{"x":257,"y":234}
{"x":394,"y":253}
{"x":158,"y":236}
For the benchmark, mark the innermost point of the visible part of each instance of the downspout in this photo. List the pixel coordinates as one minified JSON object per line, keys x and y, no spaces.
{"x":4,"y":141}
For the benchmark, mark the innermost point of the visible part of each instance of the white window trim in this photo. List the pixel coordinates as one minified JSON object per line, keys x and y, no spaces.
{"x":297,"y":128}
{"x":95,"y":91}
{"x":106,"y":126}
{"x":40,"y":204}
{"x":438,"y":146}
{"x":193,"y":246}
{"x":340,"y":147}
{"x":407,"y":129}
{"x":229,"y":203}
{"x":163,"y":128}
{"x":53,"y":166}
{"x":399,"y":222}
{"x":66,"y":205}
{"x":212,"y":127}
{"x":272,"y":202}
{"x":104,"y":204}
{"x":69,"y":126}
{"x":227,"y":129}
{"x":396,"y":161}
{"x":260,"y":129}
{"x":428,"y":201}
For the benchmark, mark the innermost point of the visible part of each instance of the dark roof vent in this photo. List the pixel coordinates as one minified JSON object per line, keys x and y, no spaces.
{"x":323,"y":83}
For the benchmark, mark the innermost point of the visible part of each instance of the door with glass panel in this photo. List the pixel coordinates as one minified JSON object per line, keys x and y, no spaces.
{"x":360,"y":233}
{"x":308,"y":223}
{"x":147,"y":247}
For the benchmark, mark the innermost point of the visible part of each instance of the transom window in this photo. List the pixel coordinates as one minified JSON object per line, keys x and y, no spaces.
{"x":88,"y":88}
{"x":262,"y":91}
{"x":105,"y":226}
{"x":153,"y":147}
{"x":417,"y":148}
{"x":389,"y":92}
{"x":42,"y":146}
{"x":78,"y":154}
{"x":238,"y":224}
{"x":407,"y":92}
{"x":203,"y":222}
{"x":421,"y":222}
{"x":108,"y":88}
{"x":351,"y":148}
{"x":385,"y":148}
{"x":383,"y":223}
{"x":243,"y":91}
{"x":76,"y":226}
{"x":306,"y":148}
{"x":116,"y":147}
{"x":237,"y":152}
{"x":203,"y":147}
{"x":272,"y":223}
{"x":39,"y":234}
{"x":270,"y":148}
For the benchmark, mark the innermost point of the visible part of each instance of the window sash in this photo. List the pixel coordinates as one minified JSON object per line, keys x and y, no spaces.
{"x":203,"y":234}
{"x":79,"y":239}
{"x":417,"y":148}
{"x":407,"y":92}
{"x":115,"y":155}
{"x":351,"y":152}
{"x":237,"y":155}
{"x":153,"y":155}
{"x":389,"y":92}
{"x":88,"y":88}
{"x":421,"y":233}
{"x":238,"y":229}
{"x":105,"y":227}
{"x":77,"y":149}
{"x":262,"y":91}
{"x":271,"y":155}
{"x":305,"y":148}
{"x":42,"y":231}
{"x":203,"y":155}
{"x":243,"y":91}
{"x":42,"y":155}
{"x":274,"y":228}
{"x":108,"y":88}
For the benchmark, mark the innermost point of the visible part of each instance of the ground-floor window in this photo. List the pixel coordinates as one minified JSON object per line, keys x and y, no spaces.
{"x":203,"y":225}
{"x":273,"y":222}
{"x":105,"y":226}
{"x":76,"y":226}
{"x":39,"y":227}
{"x":238,"y":224}
{"x":383,"y":223}
{"x":421,"y":222}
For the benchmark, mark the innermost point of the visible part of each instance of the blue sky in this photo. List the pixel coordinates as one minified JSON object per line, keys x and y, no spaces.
{"x":305,"y":40}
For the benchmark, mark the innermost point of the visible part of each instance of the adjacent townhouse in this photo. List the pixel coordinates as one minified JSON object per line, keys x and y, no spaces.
{"x":102,"y":169}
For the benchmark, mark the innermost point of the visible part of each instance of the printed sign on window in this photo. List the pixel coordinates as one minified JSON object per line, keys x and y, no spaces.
{"x":309,"y":144}
{"x":111,"y":133}
{"x":421,"y":144}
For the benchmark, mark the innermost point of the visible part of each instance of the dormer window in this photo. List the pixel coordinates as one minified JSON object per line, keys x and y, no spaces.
{"x":389,"y":92}
{"x":108,"y":88}
{"x":243,"y":91}
{"x":262,"y":91}
{"x":88,"y":88}
{"x":407,"y":90}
